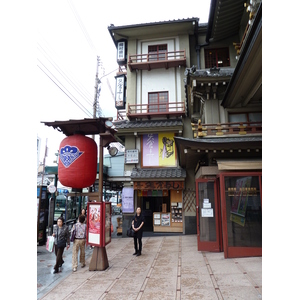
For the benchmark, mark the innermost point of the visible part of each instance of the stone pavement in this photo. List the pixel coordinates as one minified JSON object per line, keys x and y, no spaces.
{"x":170,"y":267}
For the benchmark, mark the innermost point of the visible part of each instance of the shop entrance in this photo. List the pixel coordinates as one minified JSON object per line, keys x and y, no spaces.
{"x":229,"y":214}
{"x":208,"y":216}
{"x":150,"y":205}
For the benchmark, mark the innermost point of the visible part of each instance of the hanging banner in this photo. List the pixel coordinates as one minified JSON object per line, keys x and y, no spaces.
{"x":159,"y":150}
{"x":127,"y":200}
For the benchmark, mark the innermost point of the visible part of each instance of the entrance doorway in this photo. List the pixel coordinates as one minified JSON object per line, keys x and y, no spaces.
{"x":150,"y":205}
{"x":208,"y":216}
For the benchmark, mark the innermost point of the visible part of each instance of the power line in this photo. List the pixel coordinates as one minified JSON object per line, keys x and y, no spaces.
{"x":78,"y":83}
{"x":66,"y":77}
{"x":84,"y":109}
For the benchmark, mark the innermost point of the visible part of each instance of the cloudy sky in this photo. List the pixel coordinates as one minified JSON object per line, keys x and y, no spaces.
{"x":70,"y":36}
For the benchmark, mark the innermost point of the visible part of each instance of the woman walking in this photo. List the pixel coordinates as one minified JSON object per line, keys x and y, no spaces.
{"x":79,"y":243}
{"x":137,"y":225}
{"x":62,"y":239}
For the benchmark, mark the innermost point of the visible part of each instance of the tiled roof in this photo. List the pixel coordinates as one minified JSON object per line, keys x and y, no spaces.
{"x":148,"y":124}
{"x":112,"y":26}
{"x":158,"y":173}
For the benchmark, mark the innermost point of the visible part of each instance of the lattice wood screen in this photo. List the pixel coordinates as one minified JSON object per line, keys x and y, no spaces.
{"x":189,"y":200}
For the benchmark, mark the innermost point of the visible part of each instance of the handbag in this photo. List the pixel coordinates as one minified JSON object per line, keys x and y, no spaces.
{"x":50,"y":243}
{"x":130,"y":232}
{"x":72,"y":239}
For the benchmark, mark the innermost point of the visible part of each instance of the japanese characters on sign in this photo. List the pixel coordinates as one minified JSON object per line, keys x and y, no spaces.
{"x":159,"y":150}
{"x":132,"y":156}
{"x":158,"y":185}
{"x":120,"y":92}
{"x":121,"y":52}
{"x":128,"y":200}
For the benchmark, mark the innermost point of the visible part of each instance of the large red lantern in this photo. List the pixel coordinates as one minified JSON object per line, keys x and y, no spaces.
{"x":77,"y":167}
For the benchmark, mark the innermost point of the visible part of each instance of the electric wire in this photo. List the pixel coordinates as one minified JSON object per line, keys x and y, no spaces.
{"x":77,"y":103}
{"x":66,"y":77}
{"x":50,"y":52}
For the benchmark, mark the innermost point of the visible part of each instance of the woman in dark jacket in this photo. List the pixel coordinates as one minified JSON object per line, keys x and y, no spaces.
{"x":62,"y":239}
{"x":137,"y":225}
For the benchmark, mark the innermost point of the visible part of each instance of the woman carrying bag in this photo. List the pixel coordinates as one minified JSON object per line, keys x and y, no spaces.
{"x":62,"y":239}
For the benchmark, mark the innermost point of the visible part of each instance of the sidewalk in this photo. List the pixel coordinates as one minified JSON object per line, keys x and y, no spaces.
{"x":170,"y":267}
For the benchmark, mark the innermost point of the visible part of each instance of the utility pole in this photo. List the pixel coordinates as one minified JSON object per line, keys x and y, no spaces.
{"x":97,"y":81}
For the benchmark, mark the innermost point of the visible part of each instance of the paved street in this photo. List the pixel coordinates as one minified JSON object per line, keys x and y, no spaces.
{"x":170,"y":267}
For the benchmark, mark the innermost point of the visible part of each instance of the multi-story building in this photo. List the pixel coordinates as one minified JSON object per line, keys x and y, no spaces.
{"x":190,"y":107}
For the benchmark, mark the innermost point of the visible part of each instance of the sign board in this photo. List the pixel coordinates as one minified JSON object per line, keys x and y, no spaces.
{"x":132,"y":156}
{"x":127,"y":200}
{"x":121,"y":52}
{"x":94,"y":218}
{"x":52,"y":189}
{"x":120,"y":98}
{"x":158,"y":185}
{"x":207,"y":212}
{"x":98,"y":223}
{"x":107,"y":223}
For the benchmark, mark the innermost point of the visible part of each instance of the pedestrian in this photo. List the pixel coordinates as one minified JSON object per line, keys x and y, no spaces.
{"x":83,"y":213}
{"x":79,"y":243}
{"x":137,"y":225}
{"x":61,"y":240}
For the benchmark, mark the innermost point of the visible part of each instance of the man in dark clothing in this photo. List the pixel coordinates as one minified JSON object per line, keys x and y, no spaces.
{"x":137,"y":225}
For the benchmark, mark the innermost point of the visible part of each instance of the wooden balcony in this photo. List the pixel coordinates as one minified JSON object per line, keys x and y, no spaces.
{"x":221,"y":129}
{"x":165,"y":110}
{"x":157,"y":60}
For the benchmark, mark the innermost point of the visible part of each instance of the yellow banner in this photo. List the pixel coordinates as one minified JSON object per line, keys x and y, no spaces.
{"x":167,"y":151}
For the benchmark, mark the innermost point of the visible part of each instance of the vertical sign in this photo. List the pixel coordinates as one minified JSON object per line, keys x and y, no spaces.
{"x":94,"y":215}
{"x":121,"y":52}
{"x":120,"y":98}
{"x":107,"y":223}
{"x":127,"y":200}
{"x":150,"y":150}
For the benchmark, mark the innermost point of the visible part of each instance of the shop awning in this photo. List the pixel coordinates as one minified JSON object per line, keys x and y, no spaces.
{"x":225,"y":164}
{"x":158,"y":174}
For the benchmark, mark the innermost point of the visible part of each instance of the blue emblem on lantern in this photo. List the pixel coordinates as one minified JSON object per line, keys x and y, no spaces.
{"x":68,"y":154}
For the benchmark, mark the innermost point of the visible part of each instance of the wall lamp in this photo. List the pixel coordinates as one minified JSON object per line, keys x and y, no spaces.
{"x":112,"y":150}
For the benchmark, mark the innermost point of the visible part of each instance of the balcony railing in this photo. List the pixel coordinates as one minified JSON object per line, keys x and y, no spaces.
{"x":157,"y":60}
{"x":139,"y":111}
{"x":221,"y":129}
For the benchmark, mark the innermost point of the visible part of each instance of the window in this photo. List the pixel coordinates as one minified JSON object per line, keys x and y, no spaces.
{"x":245,"y":117}
{"x":217,"y":58}
{"x":158,"y":101}
{"x":157,"y":52}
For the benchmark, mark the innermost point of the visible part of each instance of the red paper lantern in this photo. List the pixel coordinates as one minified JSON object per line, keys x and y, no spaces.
{"x":77,"y":167}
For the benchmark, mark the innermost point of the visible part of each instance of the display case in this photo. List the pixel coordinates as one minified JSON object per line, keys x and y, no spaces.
{"x":176,"y":211}
{"x":170,"y":221}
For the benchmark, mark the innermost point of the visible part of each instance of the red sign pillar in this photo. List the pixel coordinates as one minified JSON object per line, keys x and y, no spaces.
{"x":99,"y":261}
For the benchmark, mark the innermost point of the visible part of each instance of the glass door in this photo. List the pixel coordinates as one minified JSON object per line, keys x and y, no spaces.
{"x":241,"y":214}
{"x":208,"y":216}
